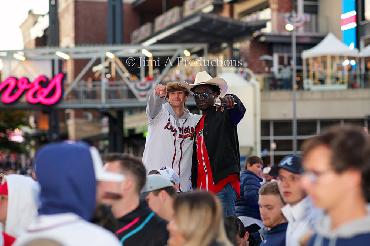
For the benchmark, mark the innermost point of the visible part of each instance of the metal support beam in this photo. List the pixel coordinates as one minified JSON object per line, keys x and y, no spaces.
{"x":115,"y":134}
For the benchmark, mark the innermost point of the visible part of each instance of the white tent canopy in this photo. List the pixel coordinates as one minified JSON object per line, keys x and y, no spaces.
{"x":330,"y":46}
{"x":365,"y":52}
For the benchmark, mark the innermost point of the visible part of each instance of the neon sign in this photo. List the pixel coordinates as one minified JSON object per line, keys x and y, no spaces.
{"x":40,"y":91}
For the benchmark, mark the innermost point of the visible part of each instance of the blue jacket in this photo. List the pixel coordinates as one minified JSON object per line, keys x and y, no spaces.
{"x":247,"y":205}
{"x":358,"y":240}
{"x":66,"y":176}
{"x":275,"y":236}
{"x":354,"y":233}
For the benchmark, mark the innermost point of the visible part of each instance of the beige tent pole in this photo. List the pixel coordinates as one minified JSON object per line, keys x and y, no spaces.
{"x":310,"y":69}
{"x":304,"y":72}
{"x":328,"y":70}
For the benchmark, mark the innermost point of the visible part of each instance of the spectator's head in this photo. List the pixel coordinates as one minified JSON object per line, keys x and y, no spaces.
{"x":67,"y":173}
{"x":160,"y":194}
{"x":206,"y":89}
{"x":289,"y":172}
{"x":254,"y":164}
{"x":235,"y":231}
{"x":177,"y":93}
{"x":18,"y":203}
{"x":271,"y":203}
{"x":337,"y":167}
{"x":133,"y":170}
{"x":198,"y":220}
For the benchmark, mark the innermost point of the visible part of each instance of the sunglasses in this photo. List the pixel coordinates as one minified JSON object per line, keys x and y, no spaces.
{"x":203,"y":95}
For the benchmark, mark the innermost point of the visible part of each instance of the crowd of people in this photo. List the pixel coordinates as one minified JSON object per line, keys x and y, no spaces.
{"x":189,"y":189}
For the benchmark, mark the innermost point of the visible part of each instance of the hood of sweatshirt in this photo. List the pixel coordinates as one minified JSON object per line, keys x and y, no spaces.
{"x":22,"y":203}
{"x":356,"y":227}
{"x":65,"y":172}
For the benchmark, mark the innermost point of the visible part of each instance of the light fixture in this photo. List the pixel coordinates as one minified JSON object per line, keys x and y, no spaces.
{"x":109,"y":55}
{"x":289,"y":27}
{"x":19,"y":56}
{"x":187,"y":53}
{"x":146,"y":53}
{"x":62,"y":55}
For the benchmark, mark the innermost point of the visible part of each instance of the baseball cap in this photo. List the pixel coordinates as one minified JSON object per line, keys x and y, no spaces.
{"x":170,"y":174}
{"x":291,"y":163}
{"x":156,"y":182}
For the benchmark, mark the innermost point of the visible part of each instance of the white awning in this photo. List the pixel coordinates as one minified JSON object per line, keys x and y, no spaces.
{"x":365,"y":52}
{"x":330,"y":46}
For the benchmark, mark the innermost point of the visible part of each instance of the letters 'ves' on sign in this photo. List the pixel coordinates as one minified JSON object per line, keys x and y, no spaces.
{"x":41,"y":91}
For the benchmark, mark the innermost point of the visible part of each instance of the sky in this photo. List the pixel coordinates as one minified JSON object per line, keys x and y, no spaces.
{"x":12,"y":14}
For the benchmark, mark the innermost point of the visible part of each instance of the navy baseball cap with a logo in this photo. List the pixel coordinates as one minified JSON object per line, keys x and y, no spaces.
{"x":291,"y":163}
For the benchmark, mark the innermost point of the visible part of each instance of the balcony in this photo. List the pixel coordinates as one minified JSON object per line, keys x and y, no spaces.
{"x":312,"y":24}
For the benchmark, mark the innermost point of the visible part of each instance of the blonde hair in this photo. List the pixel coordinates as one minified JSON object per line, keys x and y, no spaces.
{"x":199,"y":218}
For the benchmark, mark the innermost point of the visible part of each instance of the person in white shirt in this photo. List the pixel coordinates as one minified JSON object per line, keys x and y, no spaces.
{"x":298,"y":211}
{"x":171,"y":130}
{"x":67,"y":173}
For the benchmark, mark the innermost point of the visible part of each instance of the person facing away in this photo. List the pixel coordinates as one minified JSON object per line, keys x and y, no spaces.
{"x":271,"y":203}
{"x":160,"y":193}
{"x":247,"y":208}
{"x":137,"y":225}
{"x":67,"y":173}
{"x":299,"y":210}
{"x":216,"y":157}
{"x":18,"y":205}
{"x":170,"y":131}
{"x":337,"y":177}
{"x":236,"y":232}
{"x":198,"y":220}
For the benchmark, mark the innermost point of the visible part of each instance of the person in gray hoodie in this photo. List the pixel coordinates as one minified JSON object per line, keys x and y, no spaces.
{"x":337,"y":178}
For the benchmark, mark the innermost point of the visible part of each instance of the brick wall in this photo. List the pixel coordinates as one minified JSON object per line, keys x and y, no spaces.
{"x":251,"y":51}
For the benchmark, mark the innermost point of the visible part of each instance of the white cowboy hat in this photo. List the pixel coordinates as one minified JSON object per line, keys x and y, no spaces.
{"x":203,"y":78}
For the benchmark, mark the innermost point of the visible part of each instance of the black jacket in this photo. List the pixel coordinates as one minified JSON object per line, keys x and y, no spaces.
{"x":221,"y":140}
{"x":146,"y":228}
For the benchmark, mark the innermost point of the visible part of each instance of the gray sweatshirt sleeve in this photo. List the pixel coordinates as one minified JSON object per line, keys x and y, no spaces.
{"x":154,"y":105}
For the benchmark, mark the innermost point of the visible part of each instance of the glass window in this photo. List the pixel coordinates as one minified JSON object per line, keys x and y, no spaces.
{"x":282,"y":128}
{"x":357,"y":122}
{"x":284,"y":145}
{"x":265,"y":128}
{"x":327,"y":123}
{"x":265,"y":145}
{"x":307,"y":127}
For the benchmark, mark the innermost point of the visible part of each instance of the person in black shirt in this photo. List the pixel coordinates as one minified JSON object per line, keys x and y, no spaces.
{"x":136,"y":223}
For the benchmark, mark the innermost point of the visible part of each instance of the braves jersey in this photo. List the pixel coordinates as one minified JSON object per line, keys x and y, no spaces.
{"x":169,"y":142}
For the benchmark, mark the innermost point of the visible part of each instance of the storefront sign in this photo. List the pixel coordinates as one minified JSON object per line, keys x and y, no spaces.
{"x":41,"y":91}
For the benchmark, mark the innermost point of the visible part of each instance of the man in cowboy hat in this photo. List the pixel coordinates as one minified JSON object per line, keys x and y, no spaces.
{"x":216,"y":157}
{"x":171,"y":129}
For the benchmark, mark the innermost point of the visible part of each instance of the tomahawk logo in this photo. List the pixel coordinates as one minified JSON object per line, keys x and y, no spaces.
{"x":287,"y":162}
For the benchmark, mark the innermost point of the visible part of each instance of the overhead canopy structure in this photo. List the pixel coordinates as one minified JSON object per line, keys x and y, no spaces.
{"x":330,"y":65}
{"x":104,"y":77}
{"x":205,"y":28}
{"x":330,"y":46}
{"x":365,"y":52}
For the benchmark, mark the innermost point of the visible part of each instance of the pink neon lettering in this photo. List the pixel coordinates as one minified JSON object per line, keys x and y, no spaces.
{"x":40,"y":91}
